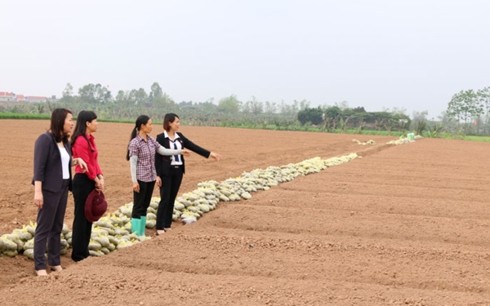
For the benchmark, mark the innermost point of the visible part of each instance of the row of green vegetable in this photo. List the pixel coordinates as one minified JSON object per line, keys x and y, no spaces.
{"x":113,"y":231}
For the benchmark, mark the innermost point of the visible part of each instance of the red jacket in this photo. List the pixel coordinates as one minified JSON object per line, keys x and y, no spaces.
{"x":85,"y":148}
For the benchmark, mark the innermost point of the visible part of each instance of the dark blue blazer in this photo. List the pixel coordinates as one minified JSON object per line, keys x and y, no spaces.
{"x":162,"y":163}
{"x":47,"y":163}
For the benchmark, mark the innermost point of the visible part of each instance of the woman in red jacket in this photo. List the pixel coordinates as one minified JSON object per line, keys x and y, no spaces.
{"x":83,"y":146}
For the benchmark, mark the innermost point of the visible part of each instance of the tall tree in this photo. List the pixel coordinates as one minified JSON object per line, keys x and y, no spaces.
{"x":270,"y":107}
{"x":68,"y":91}
{"x":484,"y":99}
{"x":138,"y":96}
{"x":156,"y":91}
{"x":465,"y":106}
{"x":419,"y":122}
{"x":312,"y":115}
{"x":102,"y":94}
{"x":229,"y":105}
{"x":87,"y":93}
{"x":252,"y":107}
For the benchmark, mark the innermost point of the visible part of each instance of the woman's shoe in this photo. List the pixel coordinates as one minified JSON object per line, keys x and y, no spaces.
{"x":56,"y":268}
{"x":41,"y":273}
{"x":160,"y":232}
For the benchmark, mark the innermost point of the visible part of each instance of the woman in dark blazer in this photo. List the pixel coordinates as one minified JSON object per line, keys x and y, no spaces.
{"x":52,"y":180}
{"x":170,"y":169}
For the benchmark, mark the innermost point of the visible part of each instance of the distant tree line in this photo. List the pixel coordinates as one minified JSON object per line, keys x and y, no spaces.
{"x":468,"y":111}
{"x":344,"y":118}
{"x":127,"y":105}
{"x":228,"y":111}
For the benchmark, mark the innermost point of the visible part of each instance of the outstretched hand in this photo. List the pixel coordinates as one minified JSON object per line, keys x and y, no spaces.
{"x":215,"y":156}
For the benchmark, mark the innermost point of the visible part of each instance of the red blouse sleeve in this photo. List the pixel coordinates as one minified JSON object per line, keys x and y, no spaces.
{"x":81,"y":149}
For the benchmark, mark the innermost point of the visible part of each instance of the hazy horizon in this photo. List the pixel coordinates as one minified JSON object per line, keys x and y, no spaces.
{"x":410,"y":55}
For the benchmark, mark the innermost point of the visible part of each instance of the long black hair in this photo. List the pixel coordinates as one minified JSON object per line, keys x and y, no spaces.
{"x":81,"y":126}
{"x":169,"y":118}
{"x":142,"y":119}
{"x":57,"y":127}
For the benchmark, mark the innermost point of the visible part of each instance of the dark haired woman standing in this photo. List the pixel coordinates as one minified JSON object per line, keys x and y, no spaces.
{"x":170,"y":170}
{"x":52,"y":180}
{"x":141,"y":154}
{"x":83,"y":146}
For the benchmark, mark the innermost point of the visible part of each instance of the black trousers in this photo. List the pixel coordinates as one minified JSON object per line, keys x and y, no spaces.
{"x":168,"y":193}
{"x":49,"y":226}
{"x":142,"y":199}
{"x":82,"y":228}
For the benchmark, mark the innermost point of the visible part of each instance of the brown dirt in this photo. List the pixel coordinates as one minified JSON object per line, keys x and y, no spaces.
{"x":404,"y":224}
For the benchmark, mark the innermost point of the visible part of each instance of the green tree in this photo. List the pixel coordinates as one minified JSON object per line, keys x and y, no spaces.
{"x":270,"y":107}
{"x":94,"y":93}
{"x":156,"y":91}
{"x":288,"y":109}
{"x":465,"y":105}
{"x":68,"y":91}
{"x":102,"y":94}
{"x":419,"y":122}
{"x":121,"y":96}
{"x":253,"y":106}
{"x":312,"y":115}
{"x":333,"y":112}
{"x":230,"y":105}
{"x":165,"y":101}
{"x":138,"y":96}
{"x":87,"y":93}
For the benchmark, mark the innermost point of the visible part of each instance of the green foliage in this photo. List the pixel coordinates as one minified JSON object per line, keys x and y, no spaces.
{"x":310,"y":115}
{"x":344,"y":118}
{"x":156,"y":92}
{"x":229,"y":105}
{"x":94,"y":93}
{"x":253,"y":107}
{"x":477,"y":138}
{"x":23,"y":116}
{"x":465,"y":105}
{"x":470,"y":111}
{"x":68,"y":91}
{"x":419,"y":122}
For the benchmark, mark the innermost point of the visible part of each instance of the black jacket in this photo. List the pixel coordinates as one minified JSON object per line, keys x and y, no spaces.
{"x":47,"y":163}
{"x":162,"y":163}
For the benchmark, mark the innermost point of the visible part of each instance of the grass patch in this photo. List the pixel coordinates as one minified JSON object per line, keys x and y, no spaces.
{"x":24,"y":116}
{"x":48,"y":116}
{"x":477,"y":138}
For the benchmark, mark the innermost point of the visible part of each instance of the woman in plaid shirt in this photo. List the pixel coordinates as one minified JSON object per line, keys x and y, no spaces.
{"x":141,"y":154}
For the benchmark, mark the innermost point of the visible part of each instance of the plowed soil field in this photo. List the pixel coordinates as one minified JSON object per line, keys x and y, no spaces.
{"x":403,"y":225}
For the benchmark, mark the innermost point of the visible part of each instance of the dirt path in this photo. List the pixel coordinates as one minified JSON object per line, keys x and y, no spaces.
{"x":402,"y":225}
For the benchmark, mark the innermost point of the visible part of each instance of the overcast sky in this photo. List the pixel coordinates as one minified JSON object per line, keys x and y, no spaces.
{"x":380,"y":54}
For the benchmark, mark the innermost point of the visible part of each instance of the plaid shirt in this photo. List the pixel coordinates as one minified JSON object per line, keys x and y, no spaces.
{"x":145,"y":151}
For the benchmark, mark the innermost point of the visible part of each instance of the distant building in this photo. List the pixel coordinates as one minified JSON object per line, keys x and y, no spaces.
{"x":35,"y":99}
{"x":6,"y":96}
